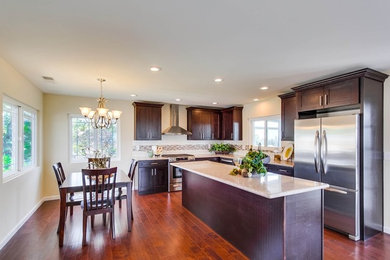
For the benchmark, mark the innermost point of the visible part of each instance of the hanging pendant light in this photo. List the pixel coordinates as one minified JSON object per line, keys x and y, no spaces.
{"x":101,"y":117}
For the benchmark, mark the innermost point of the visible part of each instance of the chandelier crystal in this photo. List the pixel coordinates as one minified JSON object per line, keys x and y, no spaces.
{"x":101,"y":117}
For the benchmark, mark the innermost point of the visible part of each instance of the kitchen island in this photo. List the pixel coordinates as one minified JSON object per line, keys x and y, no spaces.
{"x":271,"y":217}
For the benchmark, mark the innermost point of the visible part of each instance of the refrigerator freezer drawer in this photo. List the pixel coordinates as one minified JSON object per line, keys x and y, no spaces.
{"x":341,"y":211}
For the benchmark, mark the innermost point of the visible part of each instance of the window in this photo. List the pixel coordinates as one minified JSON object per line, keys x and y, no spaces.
{"x":266,"y":131}
{"x":86,"y":140}
{"x":19,"y":138}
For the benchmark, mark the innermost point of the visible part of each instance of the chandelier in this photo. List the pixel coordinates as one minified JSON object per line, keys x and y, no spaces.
{"x":101,"y":117}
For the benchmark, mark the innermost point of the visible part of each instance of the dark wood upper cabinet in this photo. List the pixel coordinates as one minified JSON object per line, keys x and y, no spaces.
{"x":339,"y":91}
{"x":342,"y":93}
{"x":147,"y":121}
{"x":203,"y":123}
{"x":232,"y":123}
{"x":310,"y":99}
{"x":288,"y":115}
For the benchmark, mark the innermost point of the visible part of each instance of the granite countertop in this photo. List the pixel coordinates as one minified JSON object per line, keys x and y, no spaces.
{"x":270,"y":186}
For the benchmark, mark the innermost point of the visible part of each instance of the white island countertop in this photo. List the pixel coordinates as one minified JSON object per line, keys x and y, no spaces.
{"x":270,"y":186}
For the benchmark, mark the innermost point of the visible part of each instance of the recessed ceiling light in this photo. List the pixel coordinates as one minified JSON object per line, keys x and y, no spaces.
{"x":133,"y":95}
{"x":155,"y":68}
{"x":255,"y":99}
{"x":218,"y":80}
{"x":264,"y":88}
{"x":214,"y":103}
{"x":47,"y":78}
{"x":178,"y":99}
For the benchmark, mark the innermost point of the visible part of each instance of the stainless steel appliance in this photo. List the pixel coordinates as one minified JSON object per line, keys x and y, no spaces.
{"x":327,"y":150}
{"x":175,"y":174}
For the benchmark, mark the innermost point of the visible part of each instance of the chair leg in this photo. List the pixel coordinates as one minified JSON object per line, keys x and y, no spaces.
{"x":84,"y":229}
{"x":132,"y":215}
{"x":112,"y":223}
{"x":92,"y":221}
{"x":104,"y":219}
{"x":71,"y":210}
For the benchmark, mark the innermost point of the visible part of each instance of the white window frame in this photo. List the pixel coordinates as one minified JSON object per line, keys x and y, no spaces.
{"x":19,"y":124}
{"x":266,"y":119}
{"x":85,"y":160}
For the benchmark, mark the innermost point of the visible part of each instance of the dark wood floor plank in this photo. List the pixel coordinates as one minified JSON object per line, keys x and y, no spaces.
{"x":162,"y":229}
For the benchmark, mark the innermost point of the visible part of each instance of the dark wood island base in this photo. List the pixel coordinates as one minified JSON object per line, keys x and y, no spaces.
{"x":289,"y":227}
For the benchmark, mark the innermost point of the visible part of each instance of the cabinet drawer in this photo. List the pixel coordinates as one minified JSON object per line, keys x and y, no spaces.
{"x":153,"y":163}
{"x":278,"y":169}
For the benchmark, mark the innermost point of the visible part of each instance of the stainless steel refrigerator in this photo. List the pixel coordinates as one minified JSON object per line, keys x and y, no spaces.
{"x":327,"y":150}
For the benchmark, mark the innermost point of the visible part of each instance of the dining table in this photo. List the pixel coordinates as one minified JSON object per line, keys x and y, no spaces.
{"x":74,"y":183}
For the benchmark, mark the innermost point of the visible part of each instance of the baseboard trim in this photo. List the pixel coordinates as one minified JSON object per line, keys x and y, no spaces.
{"x":386,"y":230}
{"x":23,"y":220}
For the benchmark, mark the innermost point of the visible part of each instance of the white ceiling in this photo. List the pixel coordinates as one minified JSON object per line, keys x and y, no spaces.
{"x":248,"y":43}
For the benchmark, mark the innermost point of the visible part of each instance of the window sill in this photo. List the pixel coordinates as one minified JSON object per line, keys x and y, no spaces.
{"x":15,"y":175}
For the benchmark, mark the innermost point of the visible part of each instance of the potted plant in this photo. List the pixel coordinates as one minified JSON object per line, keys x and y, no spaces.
{"x":222,"y":148}
{"x":253,"y":163}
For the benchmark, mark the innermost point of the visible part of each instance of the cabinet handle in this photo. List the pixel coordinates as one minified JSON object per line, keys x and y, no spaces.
{"x":320,"y":100}
{"x":326,"y":99}
{"x":281,"y":170}
{"x":231,"y":136}
{"x":154,"y":163}
{"x":212,"y":136}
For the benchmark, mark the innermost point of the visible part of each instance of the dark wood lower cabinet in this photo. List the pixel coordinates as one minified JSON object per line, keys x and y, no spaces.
{"x":152,"y":177}
{"x":279,"y":169}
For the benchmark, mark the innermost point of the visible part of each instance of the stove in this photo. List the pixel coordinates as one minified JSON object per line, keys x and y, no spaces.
{"x":175,"y":174}
{"x":174,"y":157}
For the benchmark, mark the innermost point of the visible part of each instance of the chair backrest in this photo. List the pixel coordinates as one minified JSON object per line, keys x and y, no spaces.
{"x":133,"y":166}
{"x":99,"y":163}
{"x":59,"y":173}
{"x":99,"y":188}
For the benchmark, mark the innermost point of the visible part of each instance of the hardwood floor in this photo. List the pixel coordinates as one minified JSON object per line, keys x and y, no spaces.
{"x":162,"y":229}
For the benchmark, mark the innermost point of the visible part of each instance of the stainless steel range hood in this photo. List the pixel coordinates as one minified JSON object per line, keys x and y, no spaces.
{"x":175,"y":129}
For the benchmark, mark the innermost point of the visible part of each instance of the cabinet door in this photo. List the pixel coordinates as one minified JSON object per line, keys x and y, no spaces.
{"x":154,"y":124}
{"x":142,"y":117}
{"x":215,"y":125}
{"x":194,"y":124}
{"x":145,"y":180}
{"x":227,"y":125}
{"x":160,"y":179}
{"x":310,"y":99}
{"x":289,"y":114}
{"x":342,"y":93}
{"x":206,"y":125}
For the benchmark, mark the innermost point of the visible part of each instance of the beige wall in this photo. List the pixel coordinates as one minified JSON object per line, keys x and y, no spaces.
{"x":18,"y":197}
{"x":57,"y":109}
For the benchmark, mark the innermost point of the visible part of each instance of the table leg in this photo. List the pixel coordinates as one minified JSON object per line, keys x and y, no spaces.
{"x":63,"y":193}
{"x":129,"y":200}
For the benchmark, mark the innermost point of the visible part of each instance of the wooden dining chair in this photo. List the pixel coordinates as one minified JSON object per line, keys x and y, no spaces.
{"x":98,"y":195}
{"x":73,"y":199}
{"x":122,"y":194}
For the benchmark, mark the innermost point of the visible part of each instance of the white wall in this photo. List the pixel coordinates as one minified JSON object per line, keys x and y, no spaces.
{"x":18,"y":197}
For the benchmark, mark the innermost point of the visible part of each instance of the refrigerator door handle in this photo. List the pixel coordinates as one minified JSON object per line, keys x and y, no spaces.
{"x":316,"y":143}
{"x":324,"y":152}
{"x":336,"y":190}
